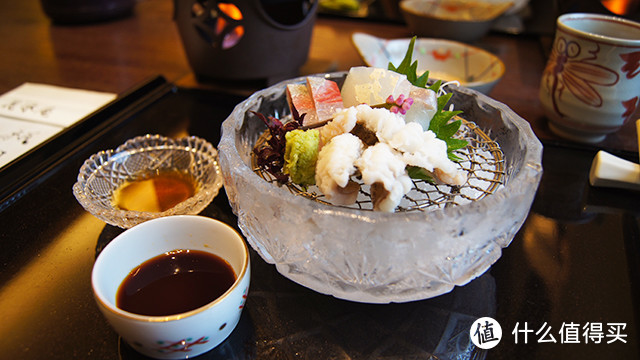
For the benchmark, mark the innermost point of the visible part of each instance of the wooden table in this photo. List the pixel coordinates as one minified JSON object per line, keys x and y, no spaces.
{"x":115,"y":56}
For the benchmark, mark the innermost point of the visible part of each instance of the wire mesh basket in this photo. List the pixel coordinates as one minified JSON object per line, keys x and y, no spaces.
{"x":482,"y":160}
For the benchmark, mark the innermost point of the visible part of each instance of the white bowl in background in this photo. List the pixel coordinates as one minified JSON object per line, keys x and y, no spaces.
{"x":459,"y":20}
{"x":445,"y":60}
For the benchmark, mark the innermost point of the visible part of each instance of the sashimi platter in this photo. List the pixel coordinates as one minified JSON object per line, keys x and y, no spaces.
{"x":378,"y":185}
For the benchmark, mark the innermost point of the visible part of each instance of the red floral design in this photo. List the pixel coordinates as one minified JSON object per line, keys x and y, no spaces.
{"x":630,"y":106}
{"x":632,"y":64}
{"x":441,"y":56}
{"x":183,"y":345}
{"x":244,"y":298}
{"x":572,"y":70}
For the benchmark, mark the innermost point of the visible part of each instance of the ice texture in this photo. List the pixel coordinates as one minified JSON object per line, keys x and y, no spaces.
{"x":378,"y":257}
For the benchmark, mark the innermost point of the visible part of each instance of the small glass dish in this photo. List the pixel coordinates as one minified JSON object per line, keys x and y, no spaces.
{"x":106,"y":171}
{"x":370,"y":256}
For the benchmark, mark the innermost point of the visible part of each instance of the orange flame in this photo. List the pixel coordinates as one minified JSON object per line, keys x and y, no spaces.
{"x":230,"y":10}
{"x":620,"y":7}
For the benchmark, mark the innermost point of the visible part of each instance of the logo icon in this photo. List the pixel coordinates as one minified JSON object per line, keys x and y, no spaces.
{"x":485,"y":333}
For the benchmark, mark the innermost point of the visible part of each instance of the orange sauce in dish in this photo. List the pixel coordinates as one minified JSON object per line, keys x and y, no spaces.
{"x":156,"y":193}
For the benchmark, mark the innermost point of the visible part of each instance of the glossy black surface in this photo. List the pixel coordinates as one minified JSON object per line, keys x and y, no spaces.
{"x":575,"y":260}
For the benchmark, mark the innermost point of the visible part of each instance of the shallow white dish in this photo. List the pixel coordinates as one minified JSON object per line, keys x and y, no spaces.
{"x":445,"y":60}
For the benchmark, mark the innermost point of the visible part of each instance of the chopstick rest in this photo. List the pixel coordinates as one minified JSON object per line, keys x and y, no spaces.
{"x":608,"y":170}
{"x":611,"y":171}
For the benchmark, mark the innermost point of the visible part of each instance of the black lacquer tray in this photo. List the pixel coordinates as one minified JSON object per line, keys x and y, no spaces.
{"x":575,"y":260}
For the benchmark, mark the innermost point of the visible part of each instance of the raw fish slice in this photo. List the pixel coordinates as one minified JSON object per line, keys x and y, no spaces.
{"x":382,"y":168}
{"x":367,"y":85}
{"x":425,"y":150}
{"x":326,"y":97}
{"x":335,"y":166}
{"x":381,"y":121}
{"x":451,"y":176}
{"x":424,"y":107}
{"x":299,"y":98}
{"x":345,"y":195}
{"x":388,"y":200}
{"x":342,"y":123}
{"x":380,"y":163}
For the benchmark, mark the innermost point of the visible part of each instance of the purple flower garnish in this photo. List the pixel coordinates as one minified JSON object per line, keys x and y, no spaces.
{"x":399,"y":105}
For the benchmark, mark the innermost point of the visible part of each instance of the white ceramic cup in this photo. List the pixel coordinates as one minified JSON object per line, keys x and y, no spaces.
{"x":591,"y":84}
{"x":182,"y":335}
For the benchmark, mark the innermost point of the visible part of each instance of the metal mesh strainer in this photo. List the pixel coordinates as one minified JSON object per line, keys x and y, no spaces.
{"x":482,"y":160}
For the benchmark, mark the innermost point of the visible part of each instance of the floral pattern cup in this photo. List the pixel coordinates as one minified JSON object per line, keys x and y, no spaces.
{"x":591,"y":84}
{"x":178,"y":336}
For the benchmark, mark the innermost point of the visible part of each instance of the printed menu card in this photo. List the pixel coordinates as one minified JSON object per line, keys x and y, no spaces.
{"x":32,"y":113}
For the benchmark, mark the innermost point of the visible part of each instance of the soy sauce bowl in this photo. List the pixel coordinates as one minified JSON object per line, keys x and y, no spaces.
{"x":174,"y":336}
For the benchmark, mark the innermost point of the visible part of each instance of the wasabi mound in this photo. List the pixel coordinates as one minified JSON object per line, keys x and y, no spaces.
{"x":300,"y":156}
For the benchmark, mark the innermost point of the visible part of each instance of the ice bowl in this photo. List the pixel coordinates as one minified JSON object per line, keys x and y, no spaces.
{"x":376,"y":257}
{"x":106,"y":171}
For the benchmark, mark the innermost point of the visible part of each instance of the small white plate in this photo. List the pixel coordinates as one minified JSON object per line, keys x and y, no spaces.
{"x":445,"y":60}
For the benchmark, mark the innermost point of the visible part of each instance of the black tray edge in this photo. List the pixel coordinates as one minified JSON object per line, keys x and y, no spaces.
{"x":22,"y":174}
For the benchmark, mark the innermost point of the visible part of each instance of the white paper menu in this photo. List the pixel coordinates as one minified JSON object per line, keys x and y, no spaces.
{"x":32,"y":113}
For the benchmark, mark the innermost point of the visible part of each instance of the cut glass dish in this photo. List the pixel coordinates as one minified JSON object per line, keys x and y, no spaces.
{"x":423,"y":249}
{"x":105,"y":172}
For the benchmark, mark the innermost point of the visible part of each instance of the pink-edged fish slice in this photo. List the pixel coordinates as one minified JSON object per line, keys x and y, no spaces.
{"x":299,"y":98}
{"x":326,"y":97}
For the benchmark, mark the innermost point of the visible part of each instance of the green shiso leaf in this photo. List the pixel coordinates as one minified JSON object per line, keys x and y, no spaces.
{"x":416,"y":172}
{"x":410,"y":69}
{"x":455,"y":144}
{"x":449,"y":129}
{"x":441,"y":123}
{"x":435,"y":86}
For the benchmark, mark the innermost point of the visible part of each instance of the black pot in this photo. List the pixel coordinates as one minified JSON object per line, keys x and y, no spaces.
{"x":245,"y":39}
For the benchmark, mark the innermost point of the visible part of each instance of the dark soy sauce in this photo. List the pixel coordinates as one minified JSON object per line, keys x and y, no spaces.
{"x":175,"y":282}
